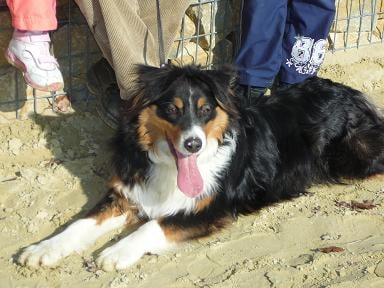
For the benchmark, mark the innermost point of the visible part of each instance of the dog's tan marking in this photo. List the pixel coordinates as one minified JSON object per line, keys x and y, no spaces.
{"x":177,"y":233}
{"x":203,"y":203}
{"x":178,"y":102}
{"x":116,"y":185}
{"x":201,"y":101}
{"x":119,"y":206}
{"x":378,"y":176}
{"x":216,"y":127}
{"x":115,"y":204}
{"x":152,"y":128}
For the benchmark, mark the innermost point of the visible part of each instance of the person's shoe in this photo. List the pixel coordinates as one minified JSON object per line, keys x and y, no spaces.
{"x":101,"y":81}
{"x":279,"y":85}
{"x":30,"y":53}
{"x":283,"y":85}
{"x":250,"y":94}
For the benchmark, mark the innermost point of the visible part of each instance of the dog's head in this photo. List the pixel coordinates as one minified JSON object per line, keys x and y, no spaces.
{"x":182,"y":115}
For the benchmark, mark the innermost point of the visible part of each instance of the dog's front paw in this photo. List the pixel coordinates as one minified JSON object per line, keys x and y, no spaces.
{"x":119,"y":256}
{"x":46,"y":253}
{"x":149,"y":238}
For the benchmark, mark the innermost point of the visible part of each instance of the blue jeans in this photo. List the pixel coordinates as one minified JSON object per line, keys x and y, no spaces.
{"x":282,"y":37}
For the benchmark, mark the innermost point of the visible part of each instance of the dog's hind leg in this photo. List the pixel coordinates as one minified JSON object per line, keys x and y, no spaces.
{"x":360,"y":154}
{"x":111,"y":213}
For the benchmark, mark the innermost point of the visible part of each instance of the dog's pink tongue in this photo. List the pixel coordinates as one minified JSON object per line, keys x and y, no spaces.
{"x":189,"y":179}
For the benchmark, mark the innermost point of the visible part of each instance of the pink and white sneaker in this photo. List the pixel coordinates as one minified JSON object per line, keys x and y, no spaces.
{"x":29,"y":52}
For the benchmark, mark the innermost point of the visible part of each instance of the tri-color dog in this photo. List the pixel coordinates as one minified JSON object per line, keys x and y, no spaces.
{"x":190,"y":155}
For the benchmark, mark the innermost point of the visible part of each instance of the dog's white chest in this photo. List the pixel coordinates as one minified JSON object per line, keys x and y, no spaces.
{"x":159,"y":195}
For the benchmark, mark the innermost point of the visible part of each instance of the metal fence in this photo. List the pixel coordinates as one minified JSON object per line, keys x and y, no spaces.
{"x":357,"y":23}
{"x":207,"y":36}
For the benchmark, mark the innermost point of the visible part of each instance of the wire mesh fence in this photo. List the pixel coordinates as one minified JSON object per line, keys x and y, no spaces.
{"x":208,"y":36}
{"x":357,"y":23}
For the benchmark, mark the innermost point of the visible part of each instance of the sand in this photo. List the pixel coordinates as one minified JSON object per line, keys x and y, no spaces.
{"x":53,"y":169}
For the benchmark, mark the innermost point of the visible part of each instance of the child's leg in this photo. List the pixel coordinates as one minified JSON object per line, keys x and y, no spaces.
{"x":28,"y":49}
{"x":262,"y":29}
{"x":33,"y":15}
{"x":304,"y":43}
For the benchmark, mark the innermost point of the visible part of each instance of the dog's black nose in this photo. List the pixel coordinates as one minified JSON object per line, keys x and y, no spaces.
{"x":193,"y":144}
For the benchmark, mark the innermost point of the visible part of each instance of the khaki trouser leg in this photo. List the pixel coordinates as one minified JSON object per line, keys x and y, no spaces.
{"x":126,"y":31}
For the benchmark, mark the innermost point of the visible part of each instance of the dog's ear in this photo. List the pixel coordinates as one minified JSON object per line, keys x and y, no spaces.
{"x":152,"y":80}
{"x":221,"y":82}
{"x":148,"y":86}
{"x":226,"y":74}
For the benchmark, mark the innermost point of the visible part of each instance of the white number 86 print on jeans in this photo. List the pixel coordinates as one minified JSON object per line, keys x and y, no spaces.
{"x":307,"y":55}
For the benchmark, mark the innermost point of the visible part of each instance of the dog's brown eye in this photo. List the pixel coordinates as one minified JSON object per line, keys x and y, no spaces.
{"x":171,"y":109}
{"x":205,"y":110}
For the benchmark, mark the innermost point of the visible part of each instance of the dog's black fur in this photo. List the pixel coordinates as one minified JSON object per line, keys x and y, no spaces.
{"x":318,"y":131}
{"x":250,"y":156}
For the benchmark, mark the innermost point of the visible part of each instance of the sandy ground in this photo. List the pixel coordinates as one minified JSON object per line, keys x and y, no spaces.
{"x":52,"y":169}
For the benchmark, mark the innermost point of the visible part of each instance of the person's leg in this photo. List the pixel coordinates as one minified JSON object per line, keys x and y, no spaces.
{"x":262,"y":29}
{"x":126,"y":32}
{"x":28,"y":49}
{"x":304,"y":44}
{"x":33,"y":15}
